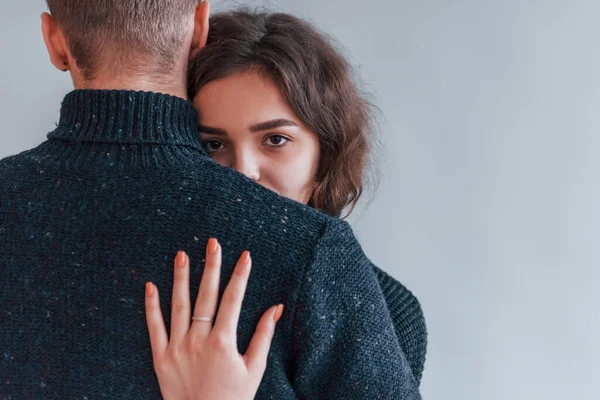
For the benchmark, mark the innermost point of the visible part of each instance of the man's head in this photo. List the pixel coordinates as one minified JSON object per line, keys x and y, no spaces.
{"x":124,"y":38}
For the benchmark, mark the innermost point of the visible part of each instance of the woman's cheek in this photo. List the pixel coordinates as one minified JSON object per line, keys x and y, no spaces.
{"x":220,"y":157}
{"x":291,"y":177}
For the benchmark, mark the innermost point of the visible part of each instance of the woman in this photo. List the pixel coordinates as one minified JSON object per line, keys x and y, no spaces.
{"x":277,"y":103}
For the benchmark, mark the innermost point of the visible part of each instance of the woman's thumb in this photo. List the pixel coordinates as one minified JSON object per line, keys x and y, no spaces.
{"x":258,"y":350}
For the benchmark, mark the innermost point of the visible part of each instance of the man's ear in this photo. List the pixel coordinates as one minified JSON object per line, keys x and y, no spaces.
{"x":55,"y":43}
{"x":200,"y":28}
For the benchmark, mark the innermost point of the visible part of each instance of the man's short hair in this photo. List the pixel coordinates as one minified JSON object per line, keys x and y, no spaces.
{"x":126,"y":34}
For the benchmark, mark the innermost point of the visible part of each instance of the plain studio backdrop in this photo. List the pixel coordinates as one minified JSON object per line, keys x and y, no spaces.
{"x":488,"y":208}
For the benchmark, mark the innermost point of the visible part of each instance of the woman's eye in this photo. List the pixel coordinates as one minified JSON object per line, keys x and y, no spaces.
{"x":277,"y":140}
{"x":212,"y":145}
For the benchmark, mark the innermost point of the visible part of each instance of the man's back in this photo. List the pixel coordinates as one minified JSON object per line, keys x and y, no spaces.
{"x":102,"y":207}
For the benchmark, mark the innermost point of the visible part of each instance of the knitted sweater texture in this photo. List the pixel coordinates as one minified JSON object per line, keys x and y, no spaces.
{"x":102,"y":206}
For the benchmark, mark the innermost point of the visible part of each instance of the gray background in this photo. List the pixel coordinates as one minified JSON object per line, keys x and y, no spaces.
{"x":488,"y":208}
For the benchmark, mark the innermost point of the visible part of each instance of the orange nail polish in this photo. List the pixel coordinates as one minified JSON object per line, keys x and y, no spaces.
{"x":245,"y":257}
{"x":212,"y":246}
{"x":149,"y":289}
{"x":180,"y":259}
{"x":278,"y":312}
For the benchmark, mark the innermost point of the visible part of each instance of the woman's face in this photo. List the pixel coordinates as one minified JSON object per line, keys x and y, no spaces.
{"x":246,"y":124}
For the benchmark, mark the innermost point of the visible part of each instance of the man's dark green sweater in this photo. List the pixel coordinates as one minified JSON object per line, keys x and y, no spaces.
{"x":102,"y":206}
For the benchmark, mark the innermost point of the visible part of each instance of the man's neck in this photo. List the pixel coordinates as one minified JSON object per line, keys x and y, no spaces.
{"x":166,"y":85}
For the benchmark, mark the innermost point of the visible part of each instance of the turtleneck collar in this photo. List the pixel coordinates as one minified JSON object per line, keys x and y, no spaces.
{"x":127,"y":117}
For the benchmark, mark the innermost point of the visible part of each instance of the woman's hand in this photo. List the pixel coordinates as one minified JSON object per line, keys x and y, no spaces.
{"x":202,"y":361}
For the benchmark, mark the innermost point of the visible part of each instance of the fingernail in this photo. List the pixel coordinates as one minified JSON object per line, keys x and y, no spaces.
{"x":278,"y":312}
{"x":149,"y":289}
{"x":245,"y":257}
{"x":213,"y":246}
{"x":180,"y":260}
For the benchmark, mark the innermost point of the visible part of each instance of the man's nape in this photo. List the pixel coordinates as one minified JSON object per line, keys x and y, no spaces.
{"x":98,"y":64}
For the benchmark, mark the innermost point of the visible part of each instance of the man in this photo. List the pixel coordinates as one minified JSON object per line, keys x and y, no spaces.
{"x":98,"y":209}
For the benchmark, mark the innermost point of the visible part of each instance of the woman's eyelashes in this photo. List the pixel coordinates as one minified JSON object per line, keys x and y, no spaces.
{"x":212,"y":145}
{"x":276,"y":140}
{"x":272,"y":140}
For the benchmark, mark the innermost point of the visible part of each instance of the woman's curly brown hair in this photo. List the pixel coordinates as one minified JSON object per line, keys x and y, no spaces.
{"x":315,"y":79}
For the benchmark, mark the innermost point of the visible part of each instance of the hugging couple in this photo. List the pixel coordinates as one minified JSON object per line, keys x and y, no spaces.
{"x":239,"y":140}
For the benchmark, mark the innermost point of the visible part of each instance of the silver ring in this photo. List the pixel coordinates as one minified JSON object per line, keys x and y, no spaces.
{"x":204,"y":319}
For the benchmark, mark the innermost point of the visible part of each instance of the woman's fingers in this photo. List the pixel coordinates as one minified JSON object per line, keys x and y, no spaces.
{"x":208,"y":294}
{"x":231,"y":303}
{"x":156,"y":325}
{"x":258,"y":350}
{"x":180,"y":314}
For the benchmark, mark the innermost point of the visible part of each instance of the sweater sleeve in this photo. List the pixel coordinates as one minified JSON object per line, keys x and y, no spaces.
{"x":408,"y":318}
{"x":345,"y":345}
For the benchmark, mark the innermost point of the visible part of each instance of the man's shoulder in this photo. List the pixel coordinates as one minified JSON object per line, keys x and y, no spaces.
{"x":247,"y":196}
{"x":205,"y":188}
{"x":15,"y":167}
{"x":12,"y":162}
{"x":339,"y":234}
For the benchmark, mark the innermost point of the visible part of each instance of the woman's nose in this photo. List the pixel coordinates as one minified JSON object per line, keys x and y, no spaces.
{"x":248,"y":165}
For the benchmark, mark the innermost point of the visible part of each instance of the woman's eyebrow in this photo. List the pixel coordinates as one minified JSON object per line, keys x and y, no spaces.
{"x":211,"y":131}
{"x":263,"y":126}
{"x":273,"y":124}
